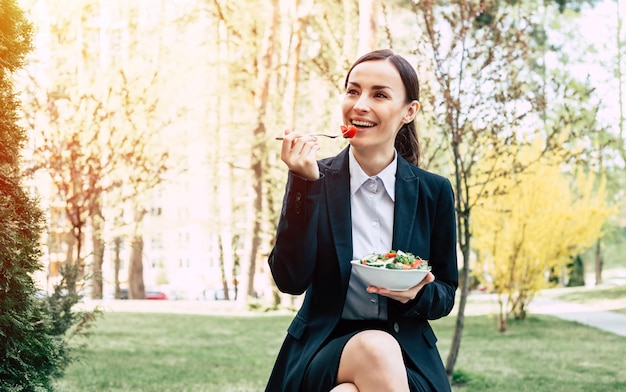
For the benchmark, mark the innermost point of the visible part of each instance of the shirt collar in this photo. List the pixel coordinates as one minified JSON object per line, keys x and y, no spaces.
{"x":387,"y":175}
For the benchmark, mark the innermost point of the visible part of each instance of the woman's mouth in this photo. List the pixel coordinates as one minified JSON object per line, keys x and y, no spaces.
{"x":362,"y":124}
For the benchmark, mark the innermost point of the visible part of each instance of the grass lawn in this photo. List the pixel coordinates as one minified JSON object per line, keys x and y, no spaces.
{"x":174,"y":352}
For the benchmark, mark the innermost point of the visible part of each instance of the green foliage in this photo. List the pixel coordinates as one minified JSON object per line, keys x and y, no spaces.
{"x":460,"y":377}
{"x":15,"y":42}
{"x":33,"y":330}
{"x":65,"y":320}
{"x":30,"y":354}
{"x":15,"y":38}
{"x":576,"y":270}
{"x":33,"y":350}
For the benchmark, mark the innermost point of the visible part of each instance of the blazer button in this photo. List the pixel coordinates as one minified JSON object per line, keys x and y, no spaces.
{"x":396,"y":327}
{"x":298,"y":196}
{"x":298,"y":210}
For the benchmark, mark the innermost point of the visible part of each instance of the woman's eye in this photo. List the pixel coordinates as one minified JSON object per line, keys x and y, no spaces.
{"x":351,"y":92}
{"x":381,"y":95}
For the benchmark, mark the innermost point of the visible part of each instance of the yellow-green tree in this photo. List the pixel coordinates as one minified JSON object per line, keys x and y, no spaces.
{"x":532,"y":223}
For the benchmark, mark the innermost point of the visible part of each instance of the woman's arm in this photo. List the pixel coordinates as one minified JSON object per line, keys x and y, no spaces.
{"x":292,"y":259}
{"x":433,"y":298}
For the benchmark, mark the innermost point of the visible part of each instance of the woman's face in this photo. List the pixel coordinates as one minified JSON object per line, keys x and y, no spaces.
{"x":375,"y":102}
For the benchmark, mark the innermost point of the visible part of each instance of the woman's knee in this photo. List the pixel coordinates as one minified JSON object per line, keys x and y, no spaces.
{"x":374,"y":342}
{"x":373,"y":360}
{"x":374,"y":347}
{"x":345,"y":387}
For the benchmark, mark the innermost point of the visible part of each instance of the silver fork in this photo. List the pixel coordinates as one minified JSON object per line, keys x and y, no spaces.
{"x":317,"y":134}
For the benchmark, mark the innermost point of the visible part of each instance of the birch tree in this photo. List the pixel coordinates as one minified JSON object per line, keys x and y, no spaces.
{"x":369,"y":12}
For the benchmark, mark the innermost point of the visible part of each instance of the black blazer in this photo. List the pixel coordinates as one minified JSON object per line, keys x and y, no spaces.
{"x":313,"y":251}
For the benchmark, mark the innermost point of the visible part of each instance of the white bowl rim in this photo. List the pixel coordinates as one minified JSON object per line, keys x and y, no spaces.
{"x":423,"y":272}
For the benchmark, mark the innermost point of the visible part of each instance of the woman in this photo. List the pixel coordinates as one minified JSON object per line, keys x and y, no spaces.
{"x":371,"y":197}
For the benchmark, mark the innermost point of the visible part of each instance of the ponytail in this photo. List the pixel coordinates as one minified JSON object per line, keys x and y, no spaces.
{"x":407,"y":144}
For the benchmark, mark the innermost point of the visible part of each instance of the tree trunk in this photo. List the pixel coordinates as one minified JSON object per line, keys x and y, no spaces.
{"x":502,"y":315}
{"x":70,"y":240}
{"x":70,"y":263}
{"x":222,"y":264}
{"x":98,"y":259}
{"x":368,"y":25}
{"x":598,"y":262}
{"x":259,"y":150}
{"x":98,"y":254}
{"x":232,"y":241}
{"x":460,"y":319}
{"x":136,"y":288}
{"x":350,"y":12}
{"x":117,"y":262}
{"x":257,"y":170}
{"x":293,"y":61}
{"x":464,"y":235}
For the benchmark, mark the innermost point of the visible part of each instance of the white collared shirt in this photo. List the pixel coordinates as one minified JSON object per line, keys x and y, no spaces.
{"x":372,"y":205}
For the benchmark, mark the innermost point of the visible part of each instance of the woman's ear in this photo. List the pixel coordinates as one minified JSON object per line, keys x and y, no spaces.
{"x":411,"y":112}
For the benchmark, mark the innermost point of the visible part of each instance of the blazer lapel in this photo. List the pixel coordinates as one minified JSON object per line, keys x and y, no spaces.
{"x":338,"y":201}
{"x":405,"y":208}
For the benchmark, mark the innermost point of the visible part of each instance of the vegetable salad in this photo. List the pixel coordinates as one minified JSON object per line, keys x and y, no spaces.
{"x":395,"y":260}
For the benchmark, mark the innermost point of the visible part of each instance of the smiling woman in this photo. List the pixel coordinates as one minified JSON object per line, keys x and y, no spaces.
{"x":369,"y":198}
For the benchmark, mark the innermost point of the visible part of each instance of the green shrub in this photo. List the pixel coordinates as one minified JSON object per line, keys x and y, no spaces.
{"x":31,"y":353}
{"x":33,"y":330}
{"x":576,"y":270}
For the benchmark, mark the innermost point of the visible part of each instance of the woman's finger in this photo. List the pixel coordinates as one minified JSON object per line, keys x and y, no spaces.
{"x":407,"y":295}
{"x":303,"y":145}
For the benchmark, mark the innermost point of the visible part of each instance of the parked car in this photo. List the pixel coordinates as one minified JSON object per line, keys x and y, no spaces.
{"x":218,"y":294}
{"x":155,"y":295}
{"x":123,"y":294}
{"x":110,"y":294}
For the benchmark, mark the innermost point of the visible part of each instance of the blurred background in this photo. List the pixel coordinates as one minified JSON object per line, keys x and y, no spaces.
{"x":152,"y":128}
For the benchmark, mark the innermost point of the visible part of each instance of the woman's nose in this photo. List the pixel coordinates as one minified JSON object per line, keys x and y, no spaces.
{"x":362,"y":104}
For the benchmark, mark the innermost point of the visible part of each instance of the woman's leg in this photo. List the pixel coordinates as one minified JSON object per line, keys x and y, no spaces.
{"x":345,"y":387}
{"x":372,"y":361}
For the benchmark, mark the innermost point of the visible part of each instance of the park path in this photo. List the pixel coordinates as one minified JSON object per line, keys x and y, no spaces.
{"x":598,"y":318}
{"x":478,"y":303}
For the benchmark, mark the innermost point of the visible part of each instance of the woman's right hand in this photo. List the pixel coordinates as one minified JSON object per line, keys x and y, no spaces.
{"x":298,"y":152}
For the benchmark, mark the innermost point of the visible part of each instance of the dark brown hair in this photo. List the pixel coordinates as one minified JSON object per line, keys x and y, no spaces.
{"x":407,"y":142}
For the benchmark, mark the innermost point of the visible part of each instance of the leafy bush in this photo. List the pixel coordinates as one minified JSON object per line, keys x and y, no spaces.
{"x":31,"y":352}
{"x":33,"y":330}
{"x":576,"y":270}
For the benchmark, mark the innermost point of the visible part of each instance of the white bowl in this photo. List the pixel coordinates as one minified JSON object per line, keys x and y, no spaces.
{"x":390,"y":279}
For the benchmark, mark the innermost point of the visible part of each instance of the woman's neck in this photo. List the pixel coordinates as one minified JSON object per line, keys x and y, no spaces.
{"x":373,"y":162}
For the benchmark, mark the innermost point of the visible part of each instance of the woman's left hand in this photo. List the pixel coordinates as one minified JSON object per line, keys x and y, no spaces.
{"x":403,"y":296}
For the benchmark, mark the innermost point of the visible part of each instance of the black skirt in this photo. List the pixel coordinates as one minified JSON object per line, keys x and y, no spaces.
{"x":321,"y":374}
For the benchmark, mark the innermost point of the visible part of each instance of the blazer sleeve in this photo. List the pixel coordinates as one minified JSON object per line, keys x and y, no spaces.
{"x":292,"y":260}
{"x":436,"y":299}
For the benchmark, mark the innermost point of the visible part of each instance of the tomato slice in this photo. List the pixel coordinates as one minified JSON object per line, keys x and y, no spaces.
{"x":348,"y":132}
